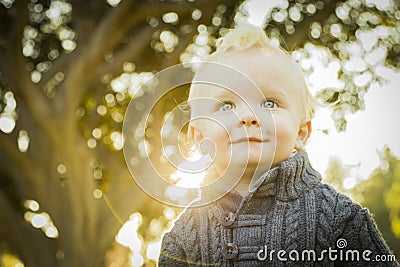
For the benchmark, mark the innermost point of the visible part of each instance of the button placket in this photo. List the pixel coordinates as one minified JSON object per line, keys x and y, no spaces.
{"x":228,"y":219}
{"x":230,"y":251}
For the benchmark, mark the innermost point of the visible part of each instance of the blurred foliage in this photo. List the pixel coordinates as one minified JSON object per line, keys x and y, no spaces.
{"x":68,"y":70}
{"x":362,"y":34}
{"x":379,"y":192}
{"x":335,"y":174}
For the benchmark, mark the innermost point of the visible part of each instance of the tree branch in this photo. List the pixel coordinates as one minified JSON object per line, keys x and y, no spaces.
{"x":17,"y":165}
{"x":302,"y":29}
{"x":133,"y":49}
{"x":72,"y":89}
{"x":22,"y":238}
{"x":25,"y":92}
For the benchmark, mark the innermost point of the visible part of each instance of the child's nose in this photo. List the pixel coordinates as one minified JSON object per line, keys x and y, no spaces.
{"x":249,"y":119}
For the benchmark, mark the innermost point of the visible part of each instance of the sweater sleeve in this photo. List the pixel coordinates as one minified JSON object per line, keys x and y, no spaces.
{"x":361,"y":237}
{"x":172,"y":250}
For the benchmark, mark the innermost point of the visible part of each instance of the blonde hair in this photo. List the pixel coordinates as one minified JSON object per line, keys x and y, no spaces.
{"x":248,"y":37}
{"x":243,"y":37}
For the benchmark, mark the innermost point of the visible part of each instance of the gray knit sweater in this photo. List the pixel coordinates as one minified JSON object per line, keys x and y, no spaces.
{"x":287,"y":209}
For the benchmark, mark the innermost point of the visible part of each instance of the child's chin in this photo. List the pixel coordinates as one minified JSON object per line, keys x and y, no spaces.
{"x":253,"y":160}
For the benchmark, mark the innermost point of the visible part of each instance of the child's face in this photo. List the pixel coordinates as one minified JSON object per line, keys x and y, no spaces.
{"x":250,"y":124}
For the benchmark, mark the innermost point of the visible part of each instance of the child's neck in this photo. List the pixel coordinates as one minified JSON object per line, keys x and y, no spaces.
{"x":248,"y":178}
{"x":242,"y":188}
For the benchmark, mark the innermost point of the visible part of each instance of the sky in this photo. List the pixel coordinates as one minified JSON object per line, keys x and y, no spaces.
{"x":367,"y":131}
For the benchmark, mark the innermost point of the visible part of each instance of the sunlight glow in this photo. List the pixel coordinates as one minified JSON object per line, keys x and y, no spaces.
{"x":169,"y":213}
{"x":7,"y":124}
{"x":153,"y":250}
{"x":91,"y":143}
{"x":118,"y":140}
{"x":168,"y":41}
{"x":349,"y":182}
{"x":7,"y":3}
{"x":97,"y":193}
{"x":145,"y":148}
{"x":380,"y":4}
{"x":367,"y":131}
{"x":129,"y":83}
{"x":9,"y":259}
{"x":101,"y":110}
{"x":170,"y":17}
{"x":117,"y":116}
{"x":40,"y":220}
{"x":31,"y":204}
{"x":8,"y":115}
{"x":36,"y":76}
{"x":113,"y":3}
{"x":324,"y":68}
{"x":137,"y":259}
{"x":196,"y":14}
{"x":23,"y":141}
{"x":68,"y":45}
{"x":57,"y":10}
{"x":129,"y":237}
{"x":257,"y":9}
{"x":191,"y":180}
{"x":51,"y":232}
{"x":61,"y":169}
{"x":199,"y":49}
{"x":96,"y":133}
{"x":185,"y":180}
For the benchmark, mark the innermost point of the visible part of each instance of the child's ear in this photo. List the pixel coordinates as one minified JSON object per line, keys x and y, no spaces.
{"x":303,"y":134}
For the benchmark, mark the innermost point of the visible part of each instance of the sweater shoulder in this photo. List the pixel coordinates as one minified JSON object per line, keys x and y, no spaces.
{"x":180,"y":243}
{"x":187,"y":221}
{"x":335,"y":210}
{"x":339,"y":201}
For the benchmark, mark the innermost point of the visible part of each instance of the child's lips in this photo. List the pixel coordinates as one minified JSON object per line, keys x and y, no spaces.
{"x":247,"y":140}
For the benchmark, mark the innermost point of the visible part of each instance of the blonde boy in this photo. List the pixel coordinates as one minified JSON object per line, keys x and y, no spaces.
{"x":279,"y":213}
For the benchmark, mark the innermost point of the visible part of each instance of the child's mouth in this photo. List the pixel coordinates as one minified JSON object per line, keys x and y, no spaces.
{"x":248,"y":139}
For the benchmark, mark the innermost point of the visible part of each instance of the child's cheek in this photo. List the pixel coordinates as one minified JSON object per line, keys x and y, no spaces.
{"x":218,"y":139}
{"x":285,"y":138}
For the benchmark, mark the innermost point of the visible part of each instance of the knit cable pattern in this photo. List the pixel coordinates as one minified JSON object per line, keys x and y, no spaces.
{"x":287,"y":208}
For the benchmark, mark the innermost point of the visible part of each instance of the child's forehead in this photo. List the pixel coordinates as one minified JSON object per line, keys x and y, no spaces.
{"x":246,"y":72}
{"x":237,"y":92}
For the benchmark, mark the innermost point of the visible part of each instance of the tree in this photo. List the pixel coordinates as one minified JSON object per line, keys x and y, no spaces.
{"x":380,"y":194}
{"x":61,"y":164}
{"x":59,"y":155}
{"x":358,"y":36}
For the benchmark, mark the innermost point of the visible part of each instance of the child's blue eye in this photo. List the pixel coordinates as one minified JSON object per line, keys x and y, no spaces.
{"x":227,"y":106}
{"x":267,"y":103}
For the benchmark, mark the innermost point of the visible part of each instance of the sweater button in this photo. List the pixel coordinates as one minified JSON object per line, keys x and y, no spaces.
{"x":230,"y":251}
{"x":228,"y":219}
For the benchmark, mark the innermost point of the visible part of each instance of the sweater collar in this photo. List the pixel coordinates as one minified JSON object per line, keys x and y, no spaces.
{"x":287,"y":181}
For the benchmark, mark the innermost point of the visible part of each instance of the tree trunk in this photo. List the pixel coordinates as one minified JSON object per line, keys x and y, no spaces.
{"x":86,"y":225}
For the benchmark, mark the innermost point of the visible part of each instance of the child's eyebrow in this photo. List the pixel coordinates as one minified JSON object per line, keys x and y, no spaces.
{"x":275,"y":92}
{"x":222,"y":93}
